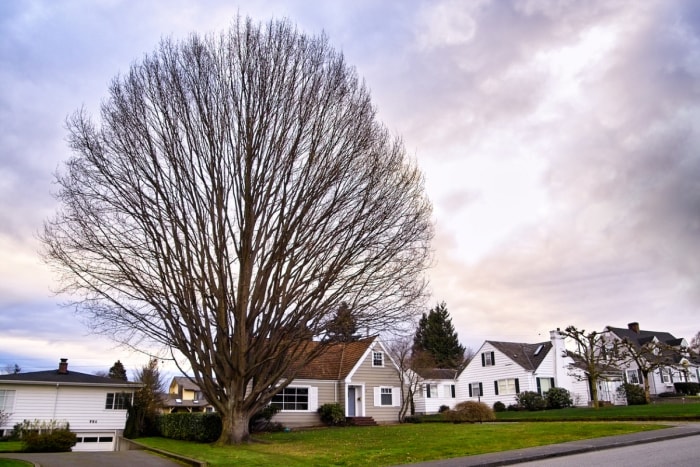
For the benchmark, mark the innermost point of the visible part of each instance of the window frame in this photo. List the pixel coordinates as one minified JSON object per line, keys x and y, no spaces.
{"x":383,"y":392}
{"x":7,"y":399}
{"x":666,"y":376}
{"x":507,"y":386}
{"x":431,"y":390}
{"x":632,"y":374}
{"x":292,"y":403}
{"x":476,"y":389}
{"x":118,"y":400}
{"x":488,"y":359}
{"x":377,"y":358}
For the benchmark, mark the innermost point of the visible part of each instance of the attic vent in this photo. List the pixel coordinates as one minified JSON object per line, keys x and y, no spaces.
{"x":539,"y":349}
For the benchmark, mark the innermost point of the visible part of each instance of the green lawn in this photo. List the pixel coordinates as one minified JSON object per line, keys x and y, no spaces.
{"x":675,"y":411}
{"x":14,"y":463}
{"x":392,"y":444}
{"x":11,"y":446}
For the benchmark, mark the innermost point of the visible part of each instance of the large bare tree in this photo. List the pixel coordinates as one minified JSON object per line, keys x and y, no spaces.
{"x":236,"y":190}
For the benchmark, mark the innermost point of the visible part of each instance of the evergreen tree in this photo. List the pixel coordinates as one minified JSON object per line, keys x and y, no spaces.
{"x":117,"y":371}
{"x":343,"y":326}
{"x":436,"y":337}
{"x":143,"y":414}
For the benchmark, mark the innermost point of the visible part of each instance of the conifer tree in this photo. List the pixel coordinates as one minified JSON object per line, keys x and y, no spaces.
{"x":118,"y":372}
{"x":343,"y":326}
{"x":436,"y":336}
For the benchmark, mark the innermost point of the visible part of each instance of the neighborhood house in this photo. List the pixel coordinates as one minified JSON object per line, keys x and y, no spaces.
{"x":95,"y":407}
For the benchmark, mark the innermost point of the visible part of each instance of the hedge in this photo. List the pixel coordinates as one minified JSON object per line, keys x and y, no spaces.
{"x":200,"y":427}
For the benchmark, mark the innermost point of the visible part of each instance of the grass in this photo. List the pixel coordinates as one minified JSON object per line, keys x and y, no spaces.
{"x":11,"y":446}
{"x":392,"y":444}
{"x":661,"y":411}
{"x":14,"y":463}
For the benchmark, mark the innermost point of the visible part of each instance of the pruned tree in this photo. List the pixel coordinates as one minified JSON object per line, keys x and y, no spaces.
{"x":647,"y":357}
{"x":343,"y":326}
{"x":11,"y":369}
{"x":436,"y":336}
{"x":117,"y":371}
{"x":401,"y":352}
{"x":694,"y":345}
{"x":237,"y":188}
{"x":594,"y":352}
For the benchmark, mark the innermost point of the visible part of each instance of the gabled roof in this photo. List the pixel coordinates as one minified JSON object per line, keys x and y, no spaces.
{"x":528,"y":356}
{"x":73,"y":378}
{"x":642,"y":337}
{"x":185,"y":383}
{"x":336,"y":361}
{"x":436,"y":373}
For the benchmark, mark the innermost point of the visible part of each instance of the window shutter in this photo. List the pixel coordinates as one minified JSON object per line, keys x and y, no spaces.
{"x":427,"y":391}
{"x":493,"y":358}
{"x":639,"y":374}
{"x":670,"y":374}
{"x":483,"y":359}
{"x":495,"y":386}
{"x":453,"y":391}
{"x":539,"y":387}
{"x":551,"y":381}
{"x":481,"y":389}
{"x":470,"y":390}
{"x":517,"y":386}
{"x":313,"y":399}
{"x":624,"y":376}
{"x":377,"y":397}
{"x":396,"y":397}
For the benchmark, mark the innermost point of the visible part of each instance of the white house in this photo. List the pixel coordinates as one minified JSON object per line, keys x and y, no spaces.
{"x":95,"y":407}
{"x":438,"y":388}
{"x":501,"y":370}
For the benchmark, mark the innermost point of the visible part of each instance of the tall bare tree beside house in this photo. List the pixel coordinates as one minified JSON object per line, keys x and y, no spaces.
{"x":647,"y":357}
{"x":236,"y":189}
{"x":402,"y":353}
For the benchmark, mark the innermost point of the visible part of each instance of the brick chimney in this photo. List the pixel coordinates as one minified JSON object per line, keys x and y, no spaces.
{"x":634,"y":327}
{"x":63,"y":367}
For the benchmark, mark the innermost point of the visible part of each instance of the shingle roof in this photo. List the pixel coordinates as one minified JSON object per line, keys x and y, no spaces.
{"x":185,"y":383}
{"x":528,"y":356}
{"x":336,"y":361}
{"x":71,"y":377}
{"x":641,"y":337}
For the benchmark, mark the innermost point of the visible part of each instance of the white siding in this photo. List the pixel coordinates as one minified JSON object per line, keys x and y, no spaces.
{"x":432,"y":404}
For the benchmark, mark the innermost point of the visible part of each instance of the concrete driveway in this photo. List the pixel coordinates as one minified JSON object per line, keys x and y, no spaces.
{"x":92,"y":459}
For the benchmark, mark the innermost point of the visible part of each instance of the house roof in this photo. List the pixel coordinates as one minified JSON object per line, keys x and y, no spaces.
{"x":336,"y":361}
{"x":528,"y":356}
{"x":436,"y":373}
{"x":642,"y":337}
{"x":185,"y":383}
{"x":73,"y":378}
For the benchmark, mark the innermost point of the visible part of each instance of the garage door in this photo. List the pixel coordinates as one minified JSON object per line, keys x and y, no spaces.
{"x":95,"y":442}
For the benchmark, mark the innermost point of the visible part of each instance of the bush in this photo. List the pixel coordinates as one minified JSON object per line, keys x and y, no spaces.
{"x":332,"y":414}
{"x":412,"y":419}
{"x":531,"y":400}
{"x":689,"y":389}
{"x":443,"y":408}
{"x":200,"y":427}
{"x":470,"y":411}
{"x":514,"y":408}
{"x":45,"y":436}
{"x":667,"y":394}
{"x":499,"y":407}
{"x":633,"y":393}
{"x":262,"y":420}
{"x":558,"y":398}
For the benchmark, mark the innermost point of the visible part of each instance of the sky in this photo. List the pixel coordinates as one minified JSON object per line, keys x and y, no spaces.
{"x":558,"y":138}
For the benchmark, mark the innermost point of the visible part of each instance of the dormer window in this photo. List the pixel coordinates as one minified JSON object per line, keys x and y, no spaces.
{"x":377,"y":359}
{"x":539,"y":349}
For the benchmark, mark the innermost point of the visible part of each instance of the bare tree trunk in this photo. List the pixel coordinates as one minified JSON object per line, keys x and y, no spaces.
{"x":234,"y":428}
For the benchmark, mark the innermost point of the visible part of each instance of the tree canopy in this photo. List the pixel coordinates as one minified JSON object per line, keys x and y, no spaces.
{"x":235,"y":190}
{"x":436,"y":337}
{"x":117,"y":371}
{"x":343,"y":326}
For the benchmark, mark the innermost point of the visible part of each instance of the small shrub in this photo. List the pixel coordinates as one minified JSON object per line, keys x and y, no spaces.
{"x":633,"y":393}
{"x":514,"y":408}
{"x":443,"y":408}
{"x":470,"y":411}
{"x":261,"y":421}
{"x":531,"y":400}
{"x":558,"y":398}
{"x":332,"y":414}
{"x":60,"y":440}
{"x":499,"y":407}
{"x":667,"y":394}
{"x":413,"y":419}
{"x":689,"y":389}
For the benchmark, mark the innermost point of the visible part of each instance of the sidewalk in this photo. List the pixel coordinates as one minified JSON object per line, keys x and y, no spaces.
{"x":678,"y":430}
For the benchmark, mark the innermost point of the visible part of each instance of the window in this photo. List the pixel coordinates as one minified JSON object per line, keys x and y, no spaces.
{"x":488,"y":359}
{"x":449,"y":390}
{"x":377,"y":359}
{"x":476,"y":389}
{"x":118,"y":400}
{"x":7,"y":400}
{"x":387,"y":396}
{"x":507,"y":386}
{"x":665,"y":375}
{"x":632,"y":377}
{"x":292,"y":398}
{"x":544,"y":385}
{"x":431,"y":390}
